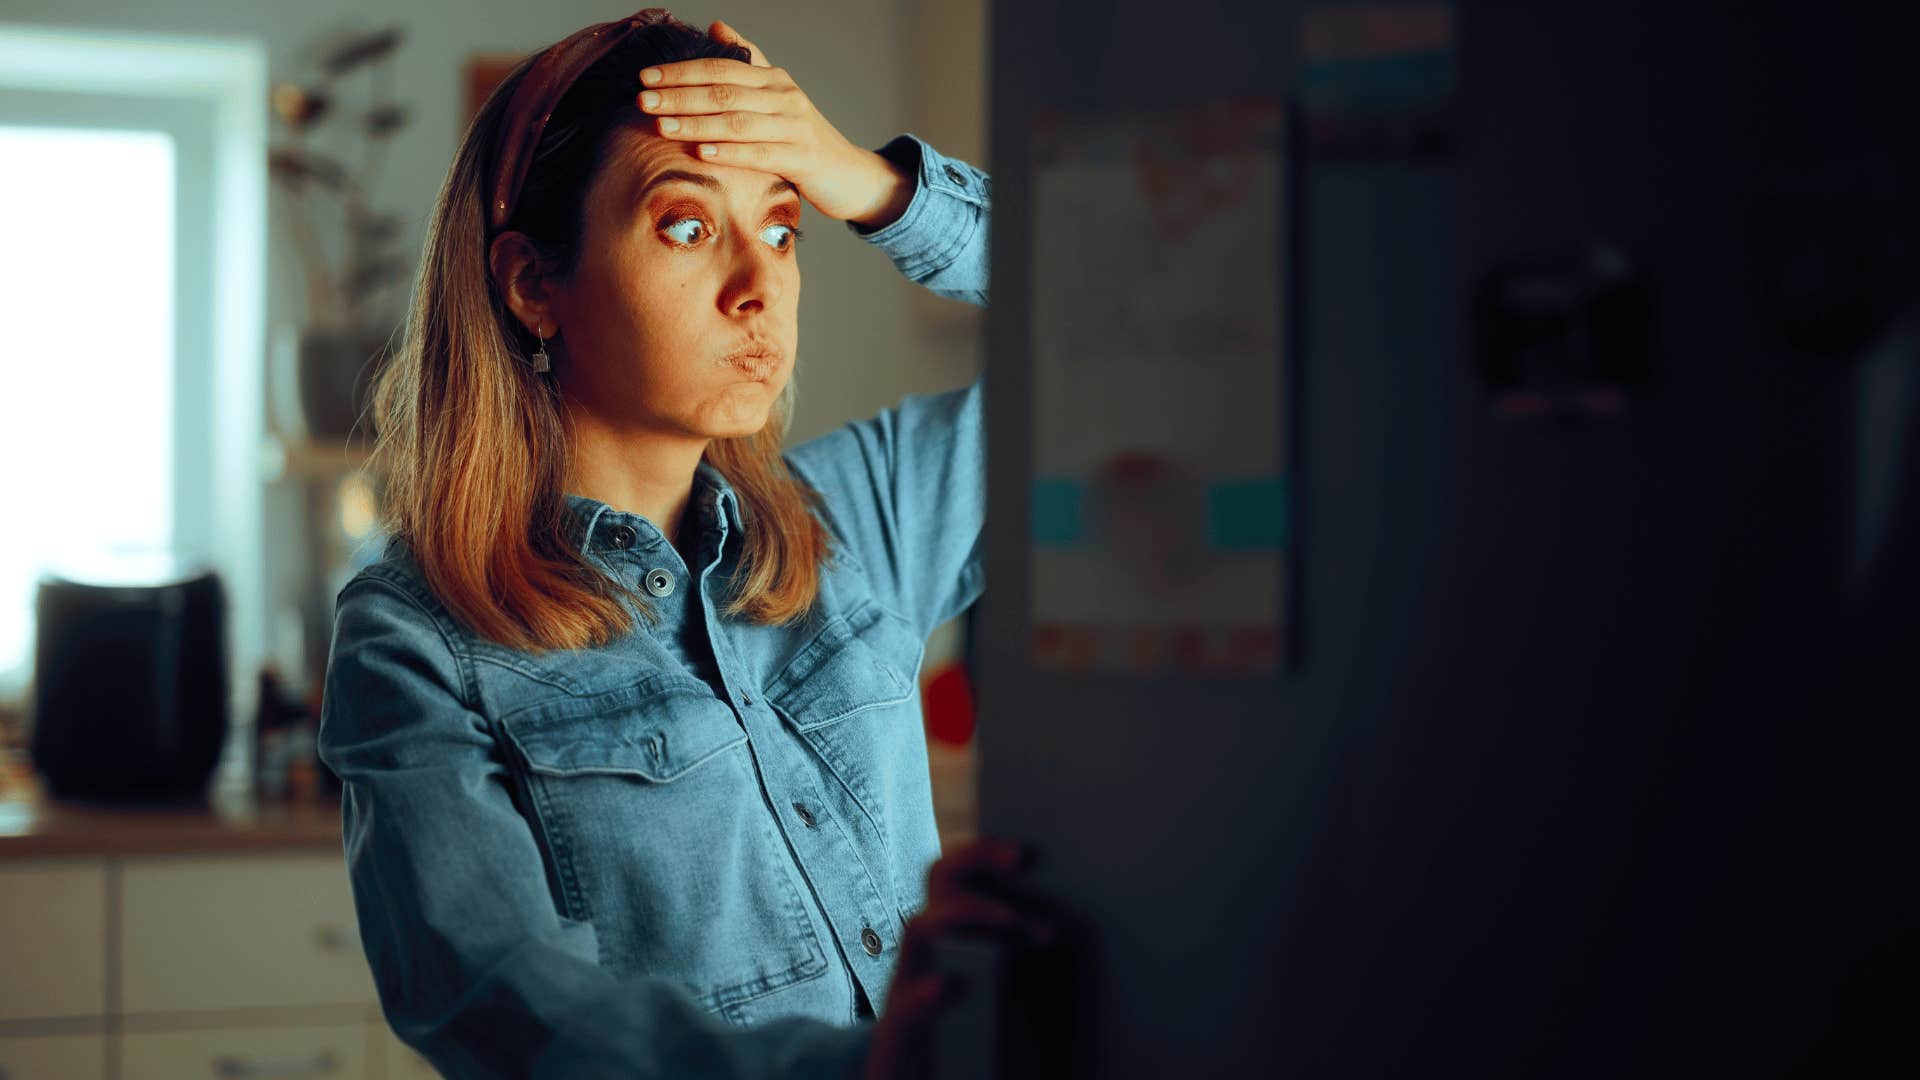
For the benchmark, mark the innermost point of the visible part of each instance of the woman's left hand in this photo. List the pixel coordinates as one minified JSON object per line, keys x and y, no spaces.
{"x":754,"y":116}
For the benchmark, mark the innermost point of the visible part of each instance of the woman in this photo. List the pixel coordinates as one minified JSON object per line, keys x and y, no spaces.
{"x":627,"y":720}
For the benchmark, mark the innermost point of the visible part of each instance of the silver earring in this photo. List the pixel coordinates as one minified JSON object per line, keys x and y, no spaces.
{"x":541,"y":361}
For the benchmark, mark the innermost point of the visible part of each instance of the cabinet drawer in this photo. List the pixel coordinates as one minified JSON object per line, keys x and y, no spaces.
{"x":53,"y":938}
{"x":53,"y":1057}
{"x":336,"y":1052}
{"x":239,"y":931}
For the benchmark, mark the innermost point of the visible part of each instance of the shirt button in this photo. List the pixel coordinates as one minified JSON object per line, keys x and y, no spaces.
{"x":659,"y":582}
{"x":870,"y":941}
{"x":806,"y":815}
{"x":622,"y":536}
{"x":956,"y":176}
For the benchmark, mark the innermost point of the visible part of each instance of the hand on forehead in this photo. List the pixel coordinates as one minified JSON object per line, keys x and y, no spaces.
{"x":754,"y":116}
{"x":713,"y":84}
{"x":642,"y":154}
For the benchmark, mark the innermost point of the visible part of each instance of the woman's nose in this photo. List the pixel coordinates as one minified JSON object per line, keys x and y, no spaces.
{"x":754,"y":279}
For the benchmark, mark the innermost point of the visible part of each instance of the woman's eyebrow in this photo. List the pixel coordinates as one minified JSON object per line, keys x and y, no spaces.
{"x":667,"y":176}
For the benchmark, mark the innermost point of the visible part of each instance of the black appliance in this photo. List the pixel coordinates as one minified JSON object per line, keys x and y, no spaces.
{"x":130,"y":684}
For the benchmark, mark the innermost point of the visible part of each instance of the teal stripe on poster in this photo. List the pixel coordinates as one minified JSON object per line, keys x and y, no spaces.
{"x":1054,"y":513}
{"x":1249,"y":515}
{"x":1402,"y":79}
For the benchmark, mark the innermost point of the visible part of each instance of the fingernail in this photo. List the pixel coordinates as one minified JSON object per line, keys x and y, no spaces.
{"x":649,"y":98}
{"x":706,"y":150}
{"x":649,"y":75}
{"x":669,"y":124}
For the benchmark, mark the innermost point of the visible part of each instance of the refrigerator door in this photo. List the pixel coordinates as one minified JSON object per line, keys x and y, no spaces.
{"x":1592,"y":433}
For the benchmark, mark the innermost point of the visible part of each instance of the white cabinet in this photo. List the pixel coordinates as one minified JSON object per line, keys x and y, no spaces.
{"x":53,"y":1057}
{"x":227,"y":932}
{"x":333,"y":1052}
{"x":204,"y":965}
{"x":53,"y":934}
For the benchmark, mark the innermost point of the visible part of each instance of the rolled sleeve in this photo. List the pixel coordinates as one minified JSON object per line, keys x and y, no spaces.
{"x":475,"y":966}
{"x":906,"y":489}
{"x":940,"y":240}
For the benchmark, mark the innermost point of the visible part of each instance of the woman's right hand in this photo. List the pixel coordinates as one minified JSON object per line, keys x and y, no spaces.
{"x":970,"y":892}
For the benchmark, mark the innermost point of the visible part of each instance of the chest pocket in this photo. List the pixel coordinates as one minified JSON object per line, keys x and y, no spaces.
{"x":851,"y":693}
{"x":655,"y":731}
{"x":860,"y":661}
{"x":651,"y":815}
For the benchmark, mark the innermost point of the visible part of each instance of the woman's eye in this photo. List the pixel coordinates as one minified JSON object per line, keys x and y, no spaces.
{"x":784,"y":236}
{"x":680,"y":230}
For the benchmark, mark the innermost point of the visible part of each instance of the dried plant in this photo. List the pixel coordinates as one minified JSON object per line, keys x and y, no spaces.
{"x":351,"y":297}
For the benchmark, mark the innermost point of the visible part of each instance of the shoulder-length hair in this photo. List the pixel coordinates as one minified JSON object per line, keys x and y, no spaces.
{"x":473,"y":444}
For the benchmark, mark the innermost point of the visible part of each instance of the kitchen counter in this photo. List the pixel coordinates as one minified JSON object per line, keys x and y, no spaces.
{"x":34,"y":824}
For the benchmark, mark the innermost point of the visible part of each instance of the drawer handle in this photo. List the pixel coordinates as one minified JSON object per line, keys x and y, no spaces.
{"x":333,"y":938}
{"x":322,"y":1063}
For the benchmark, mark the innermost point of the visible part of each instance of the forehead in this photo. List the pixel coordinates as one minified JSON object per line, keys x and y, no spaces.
{"x":636,"y":157}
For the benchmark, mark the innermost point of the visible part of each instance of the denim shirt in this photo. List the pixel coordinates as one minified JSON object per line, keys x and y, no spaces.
{"x":691,"y":852}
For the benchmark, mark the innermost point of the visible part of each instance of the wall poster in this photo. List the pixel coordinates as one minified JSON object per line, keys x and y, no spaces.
{"x":1160,"y":509}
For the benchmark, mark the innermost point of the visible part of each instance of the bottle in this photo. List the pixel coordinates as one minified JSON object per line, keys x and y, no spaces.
{"x":278,"y":722}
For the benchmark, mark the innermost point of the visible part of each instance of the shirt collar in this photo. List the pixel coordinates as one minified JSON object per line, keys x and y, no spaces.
{"x":708,"y":483}
{"x":714,"y":502}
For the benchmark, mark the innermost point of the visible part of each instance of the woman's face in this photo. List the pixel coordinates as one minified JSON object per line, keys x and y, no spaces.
{"x":684,"y":265}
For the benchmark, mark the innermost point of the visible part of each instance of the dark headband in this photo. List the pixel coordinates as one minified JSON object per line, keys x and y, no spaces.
{"x":541,"y":90}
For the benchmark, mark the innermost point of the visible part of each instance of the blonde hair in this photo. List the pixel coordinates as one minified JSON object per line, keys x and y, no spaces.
{"x":473,"y":445}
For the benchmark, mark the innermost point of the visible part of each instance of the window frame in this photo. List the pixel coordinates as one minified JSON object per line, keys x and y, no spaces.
{"x":210,"y":94}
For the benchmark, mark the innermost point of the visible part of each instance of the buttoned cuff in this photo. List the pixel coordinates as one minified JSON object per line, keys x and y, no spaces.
{"x":949,"y":196}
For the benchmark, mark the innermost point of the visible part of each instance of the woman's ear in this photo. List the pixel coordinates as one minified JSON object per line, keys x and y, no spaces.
{"x":521,"y":274}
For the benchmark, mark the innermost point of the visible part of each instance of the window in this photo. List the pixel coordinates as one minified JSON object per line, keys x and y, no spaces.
{"x":130,"y":419}
{"x":87,"y":417}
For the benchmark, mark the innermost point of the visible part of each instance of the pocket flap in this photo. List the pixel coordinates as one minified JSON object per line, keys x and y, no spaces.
{"x":846,"y":670}
{"x":656,"y":730}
